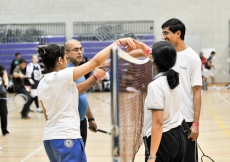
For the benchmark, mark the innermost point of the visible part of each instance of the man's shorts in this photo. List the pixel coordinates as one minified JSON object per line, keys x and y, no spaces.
{"x":68,"y":150}
{"x":207,"y":73}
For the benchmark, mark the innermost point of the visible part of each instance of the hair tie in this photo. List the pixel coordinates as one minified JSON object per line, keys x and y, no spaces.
{"x":44,"y":51}
{"x":60,"y":48}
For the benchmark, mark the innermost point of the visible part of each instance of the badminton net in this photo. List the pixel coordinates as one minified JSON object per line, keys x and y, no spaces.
{"x":134,"y":75}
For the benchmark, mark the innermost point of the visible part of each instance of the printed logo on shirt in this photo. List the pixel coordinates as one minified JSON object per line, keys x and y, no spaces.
{"x":183,"y":67}
{"x":68,"y":143}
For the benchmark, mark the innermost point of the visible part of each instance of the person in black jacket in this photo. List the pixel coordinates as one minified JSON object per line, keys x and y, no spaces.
{"x":14,"y":63}
{"x":208,"y":72}
{"x":3,"y":103}
{"x":18,"y":80}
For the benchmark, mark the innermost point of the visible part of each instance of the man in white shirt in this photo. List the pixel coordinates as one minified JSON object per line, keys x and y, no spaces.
{"x":188,"y":65}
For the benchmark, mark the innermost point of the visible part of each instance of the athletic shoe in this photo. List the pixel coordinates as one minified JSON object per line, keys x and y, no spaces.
{"x":216,"y":88}
{"x":39,"y":110}
{"x":25,"y":117}
{"x":6,"y":134}
{"x":228,"y":86}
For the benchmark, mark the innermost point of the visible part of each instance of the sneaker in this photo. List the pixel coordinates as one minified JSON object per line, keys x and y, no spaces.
{"x":216,"y":88}
{"x":228,"y":86}
{"x":6,"y":134}
{"x":1,"y":148}
{"x":25,"y":117}
{"x":39,"y":110}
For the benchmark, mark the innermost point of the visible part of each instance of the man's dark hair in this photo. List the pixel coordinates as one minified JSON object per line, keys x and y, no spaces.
{"x":22,"y":61}
{"x":174,"y":25}
{"x":17,"y":53}
{"x":213,"y":52}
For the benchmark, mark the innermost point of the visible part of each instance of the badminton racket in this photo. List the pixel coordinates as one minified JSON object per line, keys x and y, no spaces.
{"x":19,"y":99}
{"x":204,"y":157}
{"x":103,"y":131}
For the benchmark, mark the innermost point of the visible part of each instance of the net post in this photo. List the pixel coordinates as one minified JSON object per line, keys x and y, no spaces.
{"x":115,"y":104}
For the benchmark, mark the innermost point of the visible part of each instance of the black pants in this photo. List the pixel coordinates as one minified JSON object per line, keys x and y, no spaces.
{"x":3,"y":114}
{"x":26,"y":107}
{"x":35,"y":99}
{"x":83,"y":128}
{"x":191,"y":154}
{"x":172,"y":146}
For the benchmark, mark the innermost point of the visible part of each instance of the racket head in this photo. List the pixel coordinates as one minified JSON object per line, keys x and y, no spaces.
{"x":206,"y":158}
{"x":20,"y":99}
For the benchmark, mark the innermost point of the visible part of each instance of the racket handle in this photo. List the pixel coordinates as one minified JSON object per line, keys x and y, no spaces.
{"x":102,"y":131}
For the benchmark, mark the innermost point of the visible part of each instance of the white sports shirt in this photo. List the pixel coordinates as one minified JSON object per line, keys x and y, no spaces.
{"x":58,"y":92}
{"x":188,"y":65}
{"x":161,"y":97}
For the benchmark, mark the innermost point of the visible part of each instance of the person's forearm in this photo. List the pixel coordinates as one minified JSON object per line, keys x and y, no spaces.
{"x":156,"y":135}
{"x":84,"y":86}
{"x":96,"y":61}
{"x":137,"y":53}
{"x":5,"y":77}
{"x":89,"y":113}
{"x":197,"y":103}
{"x":102,"y":55}
{"x":16,"y":75}
{"x":44,"y":110}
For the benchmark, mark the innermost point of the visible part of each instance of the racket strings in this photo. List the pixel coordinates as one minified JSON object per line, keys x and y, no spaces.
{"x":20,"y":99}
{"x":204,"y":158}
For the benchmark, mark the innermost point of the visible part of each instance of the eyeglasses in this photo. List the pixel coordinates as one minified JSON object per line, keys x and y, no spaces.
{"x":77,"y":49}
{"x":165,"y":33}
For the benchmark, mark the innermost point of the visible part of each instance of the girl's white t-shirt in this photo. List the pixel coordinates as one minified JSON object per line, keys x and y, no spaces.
{"x":160,"y":97}
{"x":59,"y":95}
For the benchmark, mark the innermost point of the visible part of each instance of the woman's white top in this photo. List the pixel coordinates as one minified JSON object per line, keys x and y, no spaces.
{"x":161,"y":98}
{"x":59,"y":95}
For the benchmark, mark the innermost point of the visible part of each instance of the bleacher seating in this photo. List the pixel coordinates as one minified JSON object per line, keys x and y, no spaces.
{"x":55,"y":39}
{"x":7,"y":52}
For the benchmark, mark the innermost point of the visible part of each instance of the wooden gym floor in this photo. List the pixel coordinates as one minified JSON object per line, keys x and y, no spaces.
{"x":24,"y":144}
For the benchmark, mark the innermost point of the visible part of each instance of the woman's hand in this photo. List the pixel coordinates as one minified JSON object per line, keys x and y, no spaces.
{"x":129,"y":43}
{"x":132,"y":44}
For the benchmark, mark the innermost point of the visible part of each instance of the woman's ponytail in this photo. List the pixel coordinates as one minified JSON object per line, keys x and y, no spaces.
{"x":172,"y":78}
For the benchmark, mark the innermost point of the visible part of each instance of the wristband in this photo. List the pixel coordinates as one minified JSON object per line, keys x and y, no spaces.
{"x":148,"y":51}
{"x":152,"y":157}
{"x":95,"y":76}
{"x":90,"y":119}
{"x":118,"y":42}
{"x":195,"y":124}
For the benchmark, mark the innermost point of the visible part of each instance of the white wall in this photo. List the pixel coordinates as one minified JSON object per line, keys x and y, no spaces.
{"x":207,"y":18}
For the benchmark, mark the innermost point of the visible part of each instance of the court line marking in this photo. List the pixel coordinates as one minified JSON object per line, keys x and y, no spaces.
{"x":30,"y":155}
{"x":217,"y":118}
{"x":27,"y":157}
{"x":220,"y":96}
{"x":104,"y":102}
